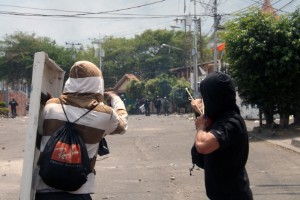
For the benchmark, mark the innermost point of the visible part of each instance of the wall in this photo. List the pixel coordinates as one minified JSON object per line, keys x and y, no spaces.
{"x":247,"y":112}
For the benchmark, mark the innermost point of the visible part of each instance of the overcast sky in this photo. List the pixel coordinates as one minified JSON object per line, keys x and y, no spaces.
{"x":75,"y":21}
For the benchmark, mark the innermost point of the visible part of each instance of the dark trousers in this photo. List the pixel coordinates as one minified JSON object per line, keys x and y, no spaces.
{"x":158,"y":110}
{"x":147,"y":111}
{"x":13,"y":112}
{"x":61,"y":196}
{"x":166,"y":111}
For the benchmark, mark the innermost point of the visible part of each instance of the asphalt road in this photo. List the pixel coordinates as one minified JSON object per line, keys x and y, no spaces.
{"x":152,"y":160}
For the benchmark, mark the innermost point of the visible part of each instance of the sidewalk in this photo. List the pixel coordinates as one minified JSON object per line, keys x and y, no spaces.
{"x":285,"y":138}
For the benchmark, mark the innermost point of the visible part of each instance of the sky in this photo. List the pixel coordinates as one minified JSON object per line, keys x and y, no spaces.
{"x":80,"y":21}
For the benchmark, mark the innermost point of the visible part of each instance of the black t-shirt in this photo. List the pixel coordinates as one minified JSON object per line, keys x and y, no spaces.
{"x":157,"y":103}
{"x":225,"y":174}
{"x":13,"y":104}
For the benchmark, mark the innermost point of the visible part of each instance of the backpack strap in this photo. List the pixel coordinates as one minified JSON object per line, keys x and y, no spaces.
{"x":92,"y":160}
{"x":79,"y":117}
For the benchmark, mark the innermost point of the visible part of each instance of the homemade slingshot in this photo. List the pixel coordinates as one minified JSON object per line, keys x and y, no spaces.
{"x":192,"y":98}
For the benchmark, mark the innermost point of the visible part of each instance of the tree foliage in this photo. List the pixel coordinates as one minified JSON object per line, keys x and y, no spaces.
{"x":295,"y":48}
{"x":154,"y":57}
{"x":19,"y":51}
{"x":263,"y":61}
{"x":144,"y":56}
{"x":162,"y":86}
{"x":159,"y":86}
{"x":135,"y":89}
{"x":179,"y":94}
{"x":119,"y":59}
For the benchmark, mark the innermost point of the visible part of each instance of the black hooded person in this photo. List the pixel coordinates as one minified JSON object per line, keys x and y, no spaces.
{"x":222,"y":138}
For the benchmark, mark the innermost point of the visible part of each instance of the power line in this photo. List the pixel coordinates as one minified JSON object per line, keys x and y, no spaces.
{"x":33,"y":8}
{"x":87,"y":13}
{"x":116,"y":15}
{"x":123,"y":15}
{"x":287,"y":4}
{"x":260,"y":3}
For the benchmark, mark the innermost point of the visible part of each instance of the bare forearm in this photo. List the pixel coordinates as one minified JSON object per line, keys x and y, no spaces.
{"x":205,"y":142}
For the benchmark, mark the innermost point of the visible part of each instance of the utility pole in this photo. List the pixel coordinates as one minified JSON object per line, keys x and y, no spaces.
{"x":195,"y":55}
{"x":73,"y":48}
{"x":200,"y":42}
{"x":215,"y":35}
{"x":187,"y":21}
{"x":101,"y":51}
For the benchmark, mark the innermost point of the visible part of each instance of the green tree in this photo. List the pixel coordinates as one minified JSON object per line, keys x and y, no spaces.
{"x":154,"y":59}
{"x":162,"y":86}
{"x":144,"y":55}
{"x":295,"y":48}
{"x":119,"y":59}
{"x":135,"y":89}
{"x":159,"y":86}
{"x":19,"y":51}
{"x":179,"y":94}
{"x":259,"y":48}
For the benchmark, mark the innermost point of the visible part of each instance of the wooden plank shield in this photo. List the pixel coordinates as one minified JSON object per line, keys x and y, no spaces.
{"x":47,"y":77}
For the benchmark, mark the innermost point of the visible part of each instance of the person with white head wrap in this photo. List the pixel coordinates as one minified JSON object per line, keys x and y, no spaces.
{"x":83,"y":91}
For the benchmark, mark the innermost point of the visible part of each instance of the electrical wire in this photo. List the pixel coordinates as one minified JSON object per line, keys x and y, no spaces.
{"x":287,"y":4}
{"x":125,"y":16}
{"x":256,"y":3}
{"x":87,"y":13}
{"x":274,"y":4}
{"x":117,"y":15}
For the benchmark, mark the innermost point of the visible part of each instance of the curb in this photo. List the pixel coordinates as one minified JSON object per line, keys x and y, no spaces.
{"x":295,"y":142}
{"x":290,"y":146}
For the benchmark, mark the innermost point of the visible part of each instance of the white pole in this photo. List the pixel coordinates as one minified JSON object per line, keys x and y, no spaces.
{"x":195,"y":55}
{"x":215,"y":35}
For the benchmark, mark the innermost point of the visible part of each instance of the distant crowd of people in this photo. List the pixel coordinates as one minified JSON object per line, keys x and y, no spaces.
{"x":142,"y":106}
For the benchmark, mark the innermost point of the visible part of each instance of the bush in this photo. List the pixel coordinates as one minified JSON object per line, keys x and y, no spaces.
{"x":131,"y":109}
{"x":2,"y":104}
{"x":4,"y":111}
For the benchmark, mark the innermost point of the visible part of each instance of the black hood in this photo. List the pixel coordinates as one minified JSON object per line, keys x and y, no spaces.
{"x":218,"y":93}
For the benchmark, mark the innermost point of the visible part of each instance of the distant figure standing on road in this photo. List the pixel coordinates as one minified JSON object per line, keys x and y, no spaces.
{"x":222,"y":138}
{"x":147,"y":107}
{"x":83,"y":91}
{"x":13,"y":107}
{"x":137,"y":106}
{"x":165,"y":104}
{"x":157,"y":104}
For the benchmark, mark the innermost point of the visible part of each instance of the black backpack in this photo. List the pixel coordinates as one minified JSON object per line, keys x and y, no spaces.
{"x":64,"y":163}
{"x":197,"y":159}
